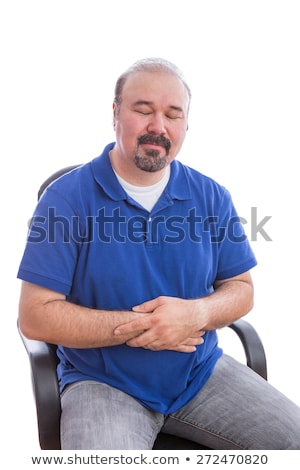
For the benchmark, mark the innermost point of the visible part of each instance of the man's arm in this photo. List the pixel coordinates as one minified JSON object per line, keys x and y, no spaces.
{"x":46,"y":315}
{"x":232,"y":299}
{"x":173,"y":320}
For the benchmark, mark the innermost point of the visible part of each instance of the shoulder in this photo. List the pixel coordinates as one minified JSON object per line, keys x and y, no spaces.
{"x":199,"y":184}
{"x":65,"y":183}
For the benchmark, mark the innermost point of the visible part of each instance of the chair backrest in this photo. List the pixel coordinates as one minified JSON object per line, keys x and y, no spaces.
{"x":54,"y":177}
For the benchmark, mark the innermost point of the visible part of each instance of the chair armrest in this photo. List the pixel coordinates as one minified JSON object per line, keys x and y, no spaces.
{"x":253,"y":347}
{"x":43,"y":362}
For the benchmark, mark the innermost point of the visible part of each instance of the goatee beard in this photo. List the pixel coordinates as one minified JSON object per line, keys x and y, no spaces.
{"x":152,"y":160}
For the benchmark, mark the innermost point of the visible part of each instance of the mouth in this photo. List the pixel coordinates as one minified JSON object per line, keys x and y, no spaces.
{"x":152,"y":147}
{"x":154,"y":142}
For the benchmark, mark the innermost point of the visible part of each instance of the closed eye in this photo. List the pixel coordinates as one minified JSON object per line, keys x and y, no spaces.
{"x":174,"y":116}
{"x":175,"y":113}
{"x":142,"y":107}
{"x":145,"y":113}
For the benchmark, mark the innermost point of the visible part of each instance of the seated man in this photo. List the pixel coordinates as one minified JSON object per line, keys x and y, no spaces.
{"x":132,"y":262}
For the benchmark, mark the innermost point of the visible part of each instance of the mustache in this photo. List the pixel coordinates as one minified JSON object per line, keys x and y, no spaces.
{"x":154,"y":139}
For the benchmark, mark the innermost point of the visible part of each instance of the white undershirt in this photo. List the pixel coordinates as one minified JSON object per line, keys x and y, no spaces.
{"x":146,"y":196}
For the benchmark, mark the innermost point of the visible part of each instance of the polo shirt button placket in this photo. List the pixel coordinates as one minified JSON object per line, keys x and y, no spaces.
{"x":148,"y":232}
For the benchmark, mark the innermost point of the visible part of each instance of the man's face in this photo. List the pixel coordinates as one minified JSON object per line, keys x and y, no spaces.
{"x":152,"y":120}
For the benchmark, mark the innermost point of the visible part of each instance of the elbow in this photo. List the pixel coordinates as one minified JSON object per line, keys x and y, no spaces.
{"x":23,"y":327}
{"x":249,"y":301}
{"x":250,"y":306}
{"x":25,"y":324}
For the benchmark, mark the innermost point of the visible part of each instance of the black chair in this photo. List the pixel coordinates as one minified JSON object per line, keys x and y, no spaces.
{"x":43,"y":362}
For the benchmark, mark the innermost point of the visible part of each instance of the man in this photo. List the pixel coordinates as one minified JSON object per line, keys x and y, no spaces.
{"x":132,"y":262}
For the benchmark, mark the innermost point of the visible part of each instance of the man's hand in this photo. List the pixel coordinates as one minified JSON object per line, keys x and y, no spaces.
{"x":169,"y":323}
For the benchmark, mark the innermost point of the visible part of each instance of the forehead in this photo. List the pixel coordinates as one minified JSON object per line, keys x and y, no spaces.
{"x":156,"y":87}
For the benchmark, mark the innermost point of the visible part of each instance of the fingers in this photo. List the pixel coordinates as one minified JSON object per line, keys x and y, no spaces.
{"x":141,"y":323}
{"x":134,"y":326}
{"x":180,"y":348}
{"x":147,"y":307}
{"x":146,"y":341}
{"x":158,"y":329}
{"x":194,"y":341}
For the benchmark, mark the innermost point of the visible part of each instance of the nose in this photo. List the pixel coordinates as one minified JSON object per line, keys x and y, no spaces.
{"x":156,"y":124}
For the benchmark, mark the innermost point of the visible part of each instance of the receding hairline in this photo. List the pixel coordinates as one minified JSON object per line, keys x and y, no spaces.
{"x":151,"y":65}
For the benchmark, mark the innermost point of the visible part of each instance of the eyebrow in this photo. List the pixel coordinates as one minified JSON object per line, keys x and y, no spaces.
{"x":150,"y":103}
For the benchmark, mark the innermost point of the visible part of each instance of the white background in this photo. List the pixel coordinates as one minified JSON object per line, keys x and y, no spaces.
{"x":59,"y":64}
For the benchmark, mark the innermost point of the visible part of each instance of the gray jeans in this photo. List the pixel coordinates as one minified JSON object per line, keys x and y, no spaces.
{"x":236,"y":409}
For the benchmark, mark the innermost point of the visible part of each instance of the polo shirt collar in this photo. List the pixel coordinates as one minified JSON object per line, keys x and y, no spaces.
{"x":177,"y":188}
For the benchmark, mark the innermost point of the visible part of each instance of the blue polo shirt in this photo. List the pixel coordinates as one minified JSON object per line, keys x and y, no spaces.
{"x":92,"y":242}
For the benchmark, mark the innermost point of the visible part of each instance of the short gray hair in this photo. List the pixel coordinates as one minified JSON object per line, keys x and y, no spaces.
{"x":151,"y":64}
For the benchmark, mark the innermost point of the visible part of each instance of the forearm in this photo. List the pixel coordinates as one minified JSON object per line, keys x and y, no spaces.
{"x":45,"y":316}
{"x":231,"y":300}
{"x":80,"y":327}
